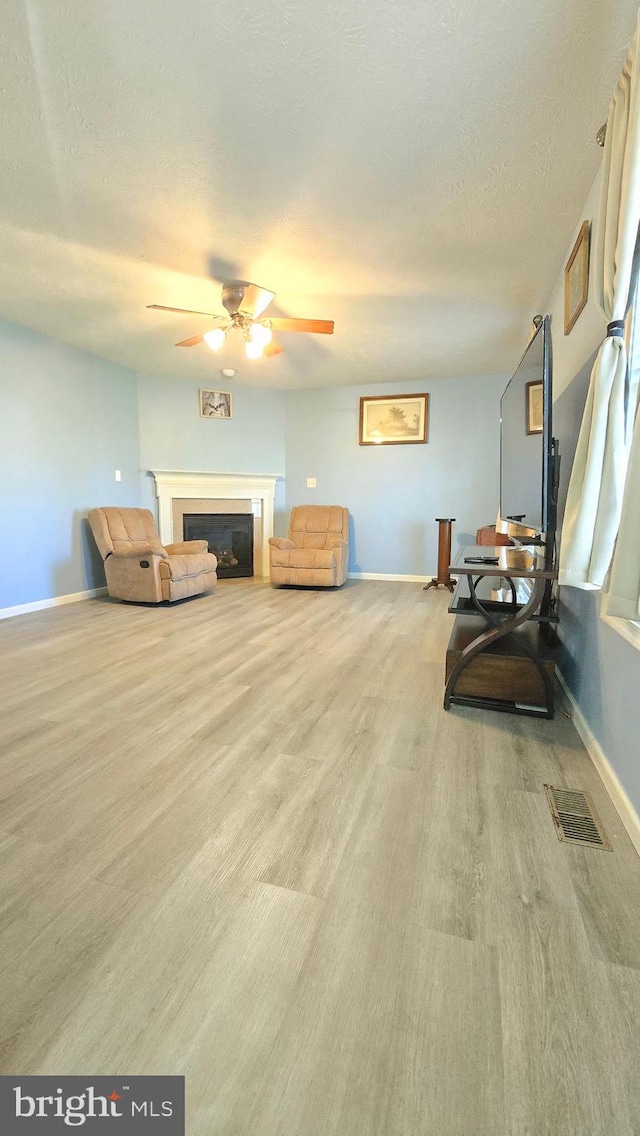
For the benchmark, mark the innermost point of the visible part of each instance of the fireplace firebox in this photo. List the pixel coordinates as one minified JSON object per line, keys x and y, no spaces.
{"x":229,"y":536}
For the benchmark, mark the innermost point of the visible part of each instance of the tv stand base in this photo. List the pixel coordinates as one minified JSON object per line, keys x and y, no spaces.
{"x":504,"y":675}
{"x":497,"y":659}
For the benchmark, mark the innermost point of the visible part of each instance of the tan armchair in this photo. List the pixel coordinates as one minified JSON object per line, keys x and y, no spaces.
{"x":139,"y":568}
{"x":317,"y":550}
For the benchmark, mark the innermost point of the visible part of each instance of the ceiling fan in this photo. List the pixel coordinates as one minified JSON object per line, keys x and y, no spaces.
{"x":245,"y":303}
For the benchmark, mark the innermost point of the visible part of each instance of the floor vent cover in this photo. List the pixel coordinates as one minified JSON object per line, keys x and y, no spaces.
{"x":575,"y":818}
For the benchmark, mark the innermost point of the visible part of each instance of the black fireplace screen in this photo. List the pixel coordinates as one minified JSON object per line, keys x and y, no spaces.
{"x":229,"y":536}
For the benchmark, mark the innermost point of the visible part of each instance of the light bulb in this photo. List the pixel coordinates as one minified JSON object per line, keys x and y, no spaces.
{"x":253,"y":350}
{"x":214,"y":339}
{"x":260,"y":334}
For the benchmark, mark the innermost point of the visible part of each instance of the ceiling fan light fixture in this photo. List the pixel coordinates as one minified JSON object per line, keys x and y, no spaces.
{"x":253,"y":350}
{"x":260,"y":334}
{"x":244,"y":303}
{"x":214,"y":339}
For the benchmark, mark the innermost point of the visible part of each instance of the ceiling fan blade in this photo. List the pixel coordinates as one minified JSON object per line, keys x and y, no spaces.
{"x":255,"y":300}
{"x":190,"y":342}
{"x":319,"y":327}
{"x":272,"y":348}
{"x":184,"y":311}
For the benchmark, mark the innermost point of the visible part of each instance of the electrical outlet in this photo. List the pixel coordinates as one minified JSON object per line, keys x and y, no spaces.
{"x":118,"y":475}
{"x":311,"y":483}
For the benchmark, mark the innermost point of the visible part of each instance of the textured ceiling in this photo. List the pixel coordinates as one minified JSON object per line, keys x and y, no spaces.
{"x":412,"y":169}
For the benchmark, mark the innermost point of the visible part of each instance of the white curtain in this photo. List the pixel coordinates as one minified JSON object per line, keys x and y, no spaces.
{"x":622,"y":596}
{"x":594,"y":500}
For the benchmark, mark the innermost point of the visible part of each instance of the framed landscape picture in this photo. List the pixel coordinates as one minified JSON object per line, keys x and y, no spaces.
{"x":394,"y":420}
{"x":576,"y":278}
{"x":533,"y":398}
{"x":215,"y":404}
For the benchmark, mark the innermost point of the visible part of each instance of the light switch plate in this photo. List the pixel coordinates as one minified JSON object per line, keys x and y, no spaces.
{"x":118,"y":475}
{"x":311,"y":483}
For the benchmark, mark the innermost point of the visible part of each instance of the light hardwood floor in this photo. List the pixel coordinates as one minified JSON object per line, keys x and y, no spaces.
{"x":241,"y":840}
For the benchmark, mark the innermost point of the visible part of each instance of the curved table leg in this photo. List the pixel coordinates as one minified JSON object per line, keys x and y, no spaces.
{"x":496,"y":630}
{"x":477,"y":603}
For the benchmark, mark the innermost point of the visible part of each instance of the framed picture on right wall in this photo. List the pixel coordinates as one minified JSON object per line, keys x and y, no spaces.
{"x":534,"y":414}
{"x":576,"y":278}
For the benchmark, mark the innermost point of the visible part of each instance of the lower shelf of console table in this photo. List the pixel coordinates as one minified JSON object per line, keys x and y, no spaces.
{"x":503,"y":676}
{"x":497,"y":658}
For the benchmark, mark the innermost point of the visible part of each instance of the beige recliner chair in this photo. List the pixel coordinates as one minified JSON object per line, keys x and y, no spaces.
{"x":317,"y":551}
{"x":139,"y":568}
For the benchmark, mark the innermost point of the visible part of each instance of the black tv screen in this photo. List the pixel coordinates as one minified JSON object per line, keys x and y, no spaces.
{"x":525,"y":438}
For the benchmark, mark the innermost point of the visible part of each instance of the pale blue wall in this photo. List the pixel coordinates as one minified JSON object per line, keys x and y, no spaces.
{"x":602,"y":670}
{"x":174,"y":436}
{"x":70,"y":419}
{"x":394,"y":493}
{"x":67,"y":421}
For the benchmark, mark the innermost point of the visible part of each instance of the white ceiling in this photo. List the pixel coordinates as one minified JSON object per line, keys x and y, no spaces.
{"x":413,"y":169}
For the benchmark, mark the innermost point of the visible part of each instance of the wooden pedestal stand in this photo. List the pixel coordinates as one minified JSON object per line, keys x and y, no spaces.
{"x":444,"y":555}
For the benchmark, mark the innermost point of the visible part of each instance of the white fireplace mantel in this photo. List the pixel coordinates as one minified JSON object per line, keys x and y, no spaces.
{"x":258,"y":488}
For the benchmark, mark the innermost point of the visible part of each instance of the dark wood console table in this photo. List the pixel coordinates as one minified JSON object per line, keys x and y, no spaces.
{"x":503,"y":665}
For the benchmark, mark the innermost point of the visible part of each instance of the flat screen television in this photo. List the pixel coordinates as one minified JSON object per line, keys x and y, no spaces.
{"x":528,"y":468}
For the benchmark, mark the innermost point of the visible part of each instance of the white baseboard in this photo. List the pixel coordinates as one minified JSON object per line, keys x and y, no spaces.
{"x":55,"y":601}
{"x":387,"y":576}
{"x":616,"y":791}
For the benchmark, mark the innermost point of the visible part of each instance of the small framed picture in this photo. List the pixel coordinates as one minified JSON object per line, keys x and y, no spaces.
{"x":394,"y":420}
{"x":533,"y":397}
{"x":576,"y":278}
{"x":215,"y":404}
